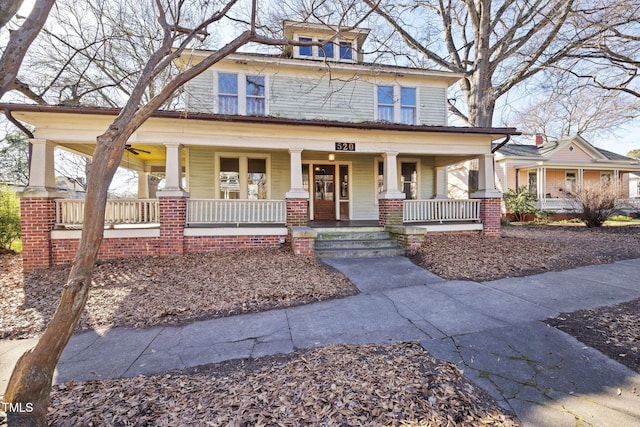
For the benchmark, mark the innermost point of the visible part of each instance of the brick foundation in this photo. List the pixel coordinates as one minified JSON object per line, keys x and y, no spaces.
{"x":490,"y":212}
{"x":297,"y":212}
{"x":38,"y":216}
{"x":173,"y":215}
{"x":193,"y":244}
{"x":64,"y":250}
{"x":390,"y":211}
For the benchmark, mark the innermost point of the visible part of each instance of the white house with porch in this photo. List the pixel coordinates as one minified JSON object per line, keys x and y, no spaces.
{"x":272,"y":149}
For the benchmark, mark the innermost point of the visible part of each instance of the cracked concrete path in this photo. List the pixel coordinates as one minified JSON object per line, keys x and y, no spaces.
{"x":491,"y":330}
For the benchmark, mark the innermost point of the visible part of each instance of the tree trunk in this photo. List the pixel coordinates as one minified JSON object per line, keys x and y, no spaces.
{"x":30,"y":383}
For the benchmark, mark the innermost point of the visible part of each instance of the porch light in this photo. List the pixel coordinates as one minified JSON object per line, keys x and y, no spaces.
{"x":332,"y":157}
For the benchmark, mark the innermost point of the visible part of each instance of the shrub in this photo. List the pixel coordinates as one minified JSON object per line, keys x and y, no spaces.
{"x":596,"y":203}
{"x":520,"y":202}
{"x":9,"y":217}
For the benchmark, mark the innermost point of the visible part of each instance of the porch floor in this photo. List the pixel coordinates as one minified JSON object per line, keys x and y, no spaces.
{"x":344,"y":223}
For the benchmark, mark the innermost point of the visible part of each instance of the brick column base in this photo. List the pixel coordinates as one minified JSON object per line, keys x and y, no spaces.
{"x":38,"y":217}
{"x":490,"y":212}
{"x":390,"y":211}
{"x":297,"y":212}
{"x":173,"y":216}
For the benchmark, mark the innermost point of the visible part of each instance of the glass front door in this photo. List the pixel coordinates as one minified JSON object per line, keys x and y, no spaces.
{"x":324,"y":194}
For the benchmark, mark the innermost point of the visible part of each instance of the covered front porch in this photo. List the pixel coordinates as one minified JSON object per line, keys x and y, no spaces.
{"x":234,"y":185}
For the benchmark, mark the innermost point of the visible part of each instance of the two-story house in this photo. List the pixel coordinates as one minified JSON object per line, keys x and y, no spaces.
{"x":269,"y":143}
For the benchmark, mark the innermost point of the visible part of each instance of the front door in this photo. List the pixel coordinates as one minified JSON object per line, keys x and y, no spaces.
{"x":324,"y":204}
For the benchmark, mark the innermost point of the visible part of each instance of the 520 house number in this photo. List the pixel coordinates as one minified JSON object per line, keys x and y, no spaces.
{"x":345,"y":146}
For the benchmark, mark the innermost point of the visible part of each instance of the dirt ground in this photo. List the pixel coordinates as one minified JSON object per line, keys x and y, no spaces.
{"x":335,"y":385}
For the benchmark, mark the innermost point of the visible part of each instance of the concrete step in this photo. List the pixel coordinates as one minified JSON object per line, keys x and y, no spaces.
{"x":359,"y":253}
{"x":355,"y":242}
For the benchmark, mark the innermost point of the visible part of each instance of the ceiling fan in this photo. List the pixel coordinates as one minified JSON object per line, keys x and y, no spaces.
{"x":135,"y":151}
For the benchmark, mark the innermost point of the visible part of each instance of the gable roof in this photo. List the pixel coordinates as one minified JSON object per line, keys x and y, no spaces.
{"x":545,"y":151}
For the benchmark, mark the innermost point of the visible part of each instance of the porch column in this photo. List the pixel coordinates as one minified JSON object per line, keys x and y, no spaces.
{"x":38,"y":207}
{"x":297,"y":197}
{"x":391,"y":200}
{"x":442,"y":182}
{"x":173,"y":204}
{"x":143,"y":185}
{"x":490,"y":198}
{"x":580,"y":179}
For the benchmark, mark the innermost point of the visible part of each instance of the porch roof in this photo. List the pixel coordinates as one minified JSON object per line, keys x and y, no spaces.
{"x":495,"y":133}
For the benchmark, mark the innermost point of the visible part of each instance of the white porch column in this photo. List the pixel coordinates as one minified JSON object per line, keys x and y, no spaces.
{"x":173,"y":172}
{"x":486,"y":179}
{"x":143,"y":185}
{"x":442,"y":182}
{"x":42,"y":180}
{"x":390,"y":181}
{"x":296,"y":190}
{"x":541,"y":184}
{"x":580,"y":178}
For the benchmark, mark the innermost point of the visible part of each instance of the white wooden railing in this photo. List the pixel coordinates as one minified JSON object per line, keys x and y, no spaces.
{"x":441,"y":210}
{"x":216,"y":211}
{"x":70,"y":212}
{"x":568,"y":205}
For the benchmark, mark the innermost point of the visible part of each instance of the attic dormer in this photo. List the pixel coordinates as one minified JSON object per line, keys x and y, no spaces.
{"x":334,"y":43}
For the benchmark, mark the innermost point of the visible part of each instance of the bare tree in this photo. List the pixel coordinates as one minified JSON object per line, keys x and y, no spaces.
{"x":494,"y":45}
{"x":180,"y":23}
{"x":20,"y":39}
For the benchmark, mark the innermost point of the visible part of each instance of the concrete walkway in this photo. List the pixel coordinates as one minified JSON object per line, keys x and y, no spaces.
{"x":491,"y":330}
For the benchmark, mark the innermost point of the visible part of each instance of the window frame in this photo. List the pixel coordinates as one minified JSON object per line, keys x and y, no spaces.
{"x":318,"y":54}
{"x":243,"y":160}
{"x":397,"y":102}
{"x":242,"y":92}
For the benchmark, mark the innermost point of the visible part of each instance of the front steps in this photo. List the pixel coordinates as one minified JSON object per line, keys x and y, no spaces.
{"x":346,"y":242}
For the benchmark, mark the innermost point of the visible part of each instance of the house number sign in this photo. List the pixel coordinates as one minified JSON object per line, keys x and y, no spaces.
{"x":345,"y":146}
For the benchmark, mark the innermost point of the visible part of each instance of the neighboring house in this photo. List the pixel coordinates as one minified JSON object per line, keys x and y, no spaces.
{"x":268,"y":144}
{"x":634,"y":185}
{"x":553,"y":170}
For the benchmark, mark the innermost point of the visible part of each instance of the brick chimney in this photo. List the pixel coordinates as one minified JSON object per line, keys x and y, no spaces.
{"x":538,"y":139}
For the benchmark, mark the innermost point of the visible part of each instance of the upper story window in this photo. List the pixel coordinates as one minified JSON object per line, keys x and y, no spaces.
{"x":346,"y":50}
{"x":385,"y":103}
{"x":255,"y":95}
{"x":306,"y":50}
{"x":397,"y":104}
{"x":242,"y":94}
{"x":227,"y":93}
{"x":408,"y":105}
{"x":334,"y":51}
{"x":326,"y":50}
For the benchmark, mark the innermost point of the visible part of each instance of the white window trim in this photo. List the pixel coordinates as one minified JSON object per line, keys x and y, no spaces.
{"x":399,"y":161}
{"x":242,"y":91}
{"x":243,"y":165}
{"x":397,"y":105}
{"x":336,"y":49}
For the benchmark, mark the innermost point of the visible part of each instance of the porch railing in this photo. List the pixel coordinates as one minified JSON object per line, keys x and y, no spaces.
{"x":70,"y":212}
{"x":568,"y":205}
{"x":215,"y":211}
{"x":441,"y":210}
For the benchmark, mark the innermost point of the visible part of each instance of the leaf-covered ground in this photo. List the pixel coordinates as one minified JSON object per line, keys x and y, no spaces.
{"x":336,"y":385}
{"x":348,"y":385}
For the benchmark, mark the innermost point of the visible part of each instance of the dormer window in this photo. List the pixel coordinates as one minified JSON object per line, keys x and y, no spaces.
{"x":346,"y":50}
{"x":326,"y":51}
{"x":306,"y":50}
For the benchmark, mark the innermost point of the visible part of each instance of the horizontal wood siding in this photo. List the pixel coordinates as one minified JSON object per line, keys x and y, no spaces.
{"x":427,"y":179}
{"x":201,"y":172}
{"x":199,"y":93}
{"x":433,"y":107}
{"x":363,"y":191}
{"x":280,"y":175}
{"x":325,"y":99}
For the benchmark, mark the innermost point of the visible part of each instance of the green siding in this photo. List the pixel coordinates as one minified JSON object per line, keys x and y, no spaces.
{"x":364,"y":187}
{"x":433,"y":106}
{"x":321,"y":98}
{"x":201,"y":172}
{"x":199,"y":93}
{"x":280,"y":175}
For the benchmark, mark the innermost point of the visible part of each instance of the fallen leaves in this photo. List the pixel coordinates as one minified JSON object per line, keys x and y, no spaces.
{"x":354,"y":385}
{"x":149,"y":291}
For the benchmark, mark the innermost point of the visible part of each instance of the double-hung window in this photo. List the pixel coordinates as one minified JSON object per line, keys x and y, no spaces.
{"x":346,"y":50}
{"x":255,"y":95}
{"x":227,"y":93}
{"x":385,"y":103}
{"x":408,"y":105}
